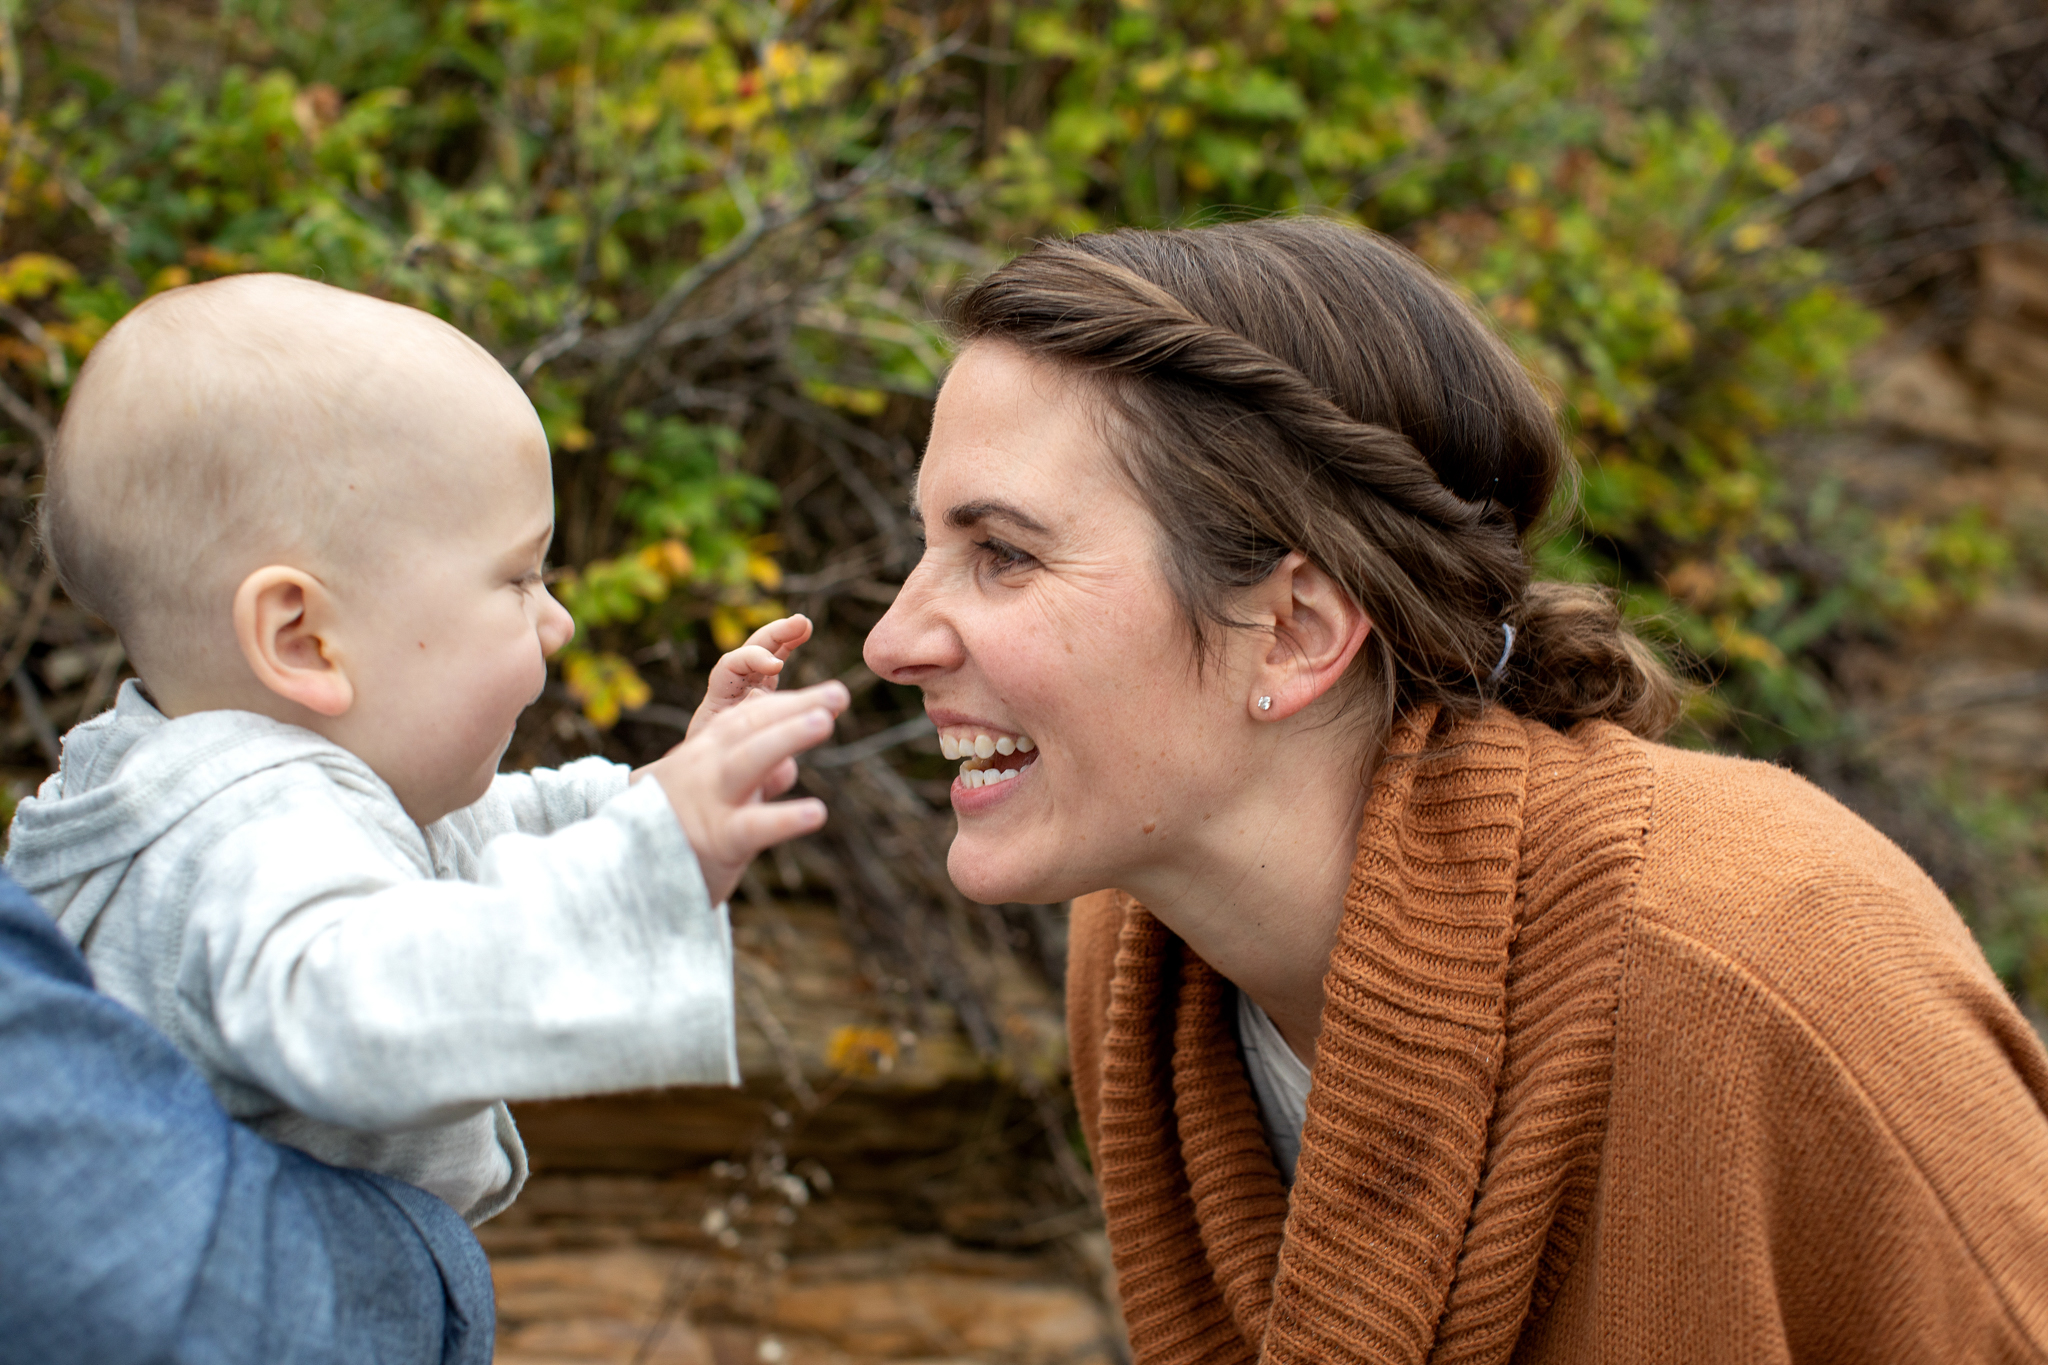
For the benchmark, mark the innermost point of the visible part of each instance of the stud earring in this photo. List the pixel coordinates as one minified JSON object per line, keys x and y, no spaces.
{"x":1265,"y":703}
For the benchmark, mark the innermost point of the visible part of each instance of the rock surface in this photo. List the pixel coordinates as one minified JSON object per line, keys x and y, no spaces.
{"x":875,"y":1192}
{"x":1953,"y":430}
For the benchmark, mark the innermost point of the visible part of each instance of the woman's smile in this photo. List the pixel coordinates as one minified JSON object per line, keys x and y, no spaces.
{"x":990,"y":757}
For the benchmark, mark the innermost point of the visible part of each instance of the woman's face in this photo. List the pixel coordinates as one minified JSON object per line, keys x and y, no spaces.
{"x":1039,"y":615}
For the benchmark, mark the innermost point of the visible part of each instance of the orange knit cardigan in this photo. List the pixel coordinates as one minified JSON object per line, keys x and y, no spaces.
{"x":1629,"y":1054}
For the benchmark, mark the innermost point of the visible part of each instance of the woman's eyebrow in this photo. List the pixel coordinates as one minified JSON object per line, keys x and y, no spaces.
{"x":969,"y":514}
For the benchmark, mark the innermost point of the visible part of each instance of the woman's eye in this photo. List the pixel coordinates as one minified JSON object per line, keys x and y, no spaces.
{"x":1001,"y":557}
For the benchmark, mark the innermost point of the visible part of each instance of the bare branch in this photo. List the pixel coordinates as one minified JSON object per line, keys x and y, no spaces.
{"x":38,"y":719}
{"x":28,"y":419}
{"x":556,"y":343}
{"x":632,"y":342}
{"x":53,"y":354}
{"x":31,"y":621}
{"x":839,"y":756}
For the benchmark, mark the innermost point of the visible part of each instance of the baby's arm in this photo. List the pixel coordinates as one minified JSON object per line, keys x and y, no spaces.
{"x":359,"y":993}
{"x":540,"y":801}
{"x":547,"y":799}
{"x":754,"y":667}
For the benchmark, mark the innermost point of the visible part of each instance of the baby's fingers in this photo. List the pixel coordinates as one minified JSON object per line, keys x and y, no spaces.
{"x":749,"y":760}
{"x":750,"y":665}
{"x":780,"y":780}
{"x":771,"y":707}
{"x":781,"y":636}
{"x":756,"y":827}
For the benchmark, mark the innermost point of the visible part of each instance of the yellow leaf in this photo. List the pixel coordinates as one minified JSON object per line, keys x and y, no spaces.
{"x":670,"y":558}
{"x":1152,"y":77}
{"x":865,"y":402}
{"x":728,"y":631}
{"x":32,"y":273}
{"x":606,"y":684}
{"x":1775,"y":173}
{"x":764,"y":571}
{"x":1753,"y":236}
{"x":215,"y":261}
{"x":861,"y":1051}
{"x":170,"y":277}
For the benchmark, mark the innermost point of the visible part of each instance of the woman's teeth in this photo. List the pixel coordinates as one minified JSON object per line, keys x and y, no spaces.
{"x":984,"y":746}
{"x":988,"y":759}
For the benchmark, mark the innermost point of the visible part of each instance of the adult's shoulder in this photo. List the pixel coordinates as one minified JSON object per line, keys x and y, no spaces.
{"x":1802,"y":1009}
{"x":1765,"y":867}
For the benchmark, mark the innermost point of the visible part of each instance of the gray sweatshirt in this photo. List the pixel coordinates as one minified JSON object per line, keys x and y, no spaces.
{"x":358,"y":987}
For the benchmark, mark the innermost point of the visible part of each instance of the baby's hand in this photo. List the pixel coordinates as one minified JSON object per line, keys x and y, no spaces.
{"x":720,"y":779}
{"x":754,"y":667}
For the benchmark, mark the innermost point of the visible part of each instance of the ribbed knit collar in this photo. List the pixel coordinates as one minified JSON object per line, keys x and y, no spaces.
{"x":1388,"y":1251}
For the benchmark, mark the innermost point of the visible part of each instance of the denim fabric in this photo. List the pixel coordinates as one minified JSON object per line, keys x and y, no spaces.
{"x":138,"y":1223}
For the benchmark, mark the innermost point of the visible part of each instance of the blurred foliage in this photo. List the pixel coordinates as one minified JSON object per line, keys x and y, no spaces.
{"x":709,"y":238}
{"x":546,"y":175}
{"x":2006,"y":900}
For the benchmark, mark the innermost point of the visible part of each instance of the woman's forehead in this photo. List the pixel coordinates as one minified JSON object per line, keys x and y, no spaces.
{"x":1012,"y":435}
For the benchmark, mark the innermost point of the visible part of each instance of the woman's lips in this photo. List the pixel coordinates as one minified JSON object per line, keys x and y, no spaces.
{"x":988,"y":771}
{"x":993,"y":757}
{"x":982,"y":784}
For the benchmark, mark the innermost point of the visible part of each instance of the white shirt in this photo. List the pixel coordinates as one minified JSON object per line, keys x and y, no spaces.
{"x":359,"y":987}
{"x":1279,"y":1079}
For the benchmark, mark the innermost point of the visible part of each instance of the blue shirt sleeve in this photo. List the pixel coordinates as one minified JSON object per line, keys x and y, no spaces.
{"x":138,"y":1223}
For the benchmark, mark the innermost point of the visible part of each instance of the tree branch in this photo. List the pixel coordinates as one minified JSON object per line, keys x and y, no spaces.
{"x":28,"y":419}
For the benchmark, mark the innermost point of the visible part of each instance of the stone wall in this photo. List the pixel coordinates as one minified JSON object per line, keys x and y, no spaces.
{"x":875,"y":1192}
{"x":1952,"y":426}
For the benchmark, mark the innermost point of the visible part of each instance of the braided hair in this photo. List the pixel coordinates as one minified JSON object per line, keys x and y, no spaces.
{"x":1293,"y":384}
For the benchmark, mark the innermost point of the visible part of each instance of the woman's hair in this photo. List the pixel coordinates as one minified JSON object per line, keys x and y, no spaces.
{"x":1295,"y":384}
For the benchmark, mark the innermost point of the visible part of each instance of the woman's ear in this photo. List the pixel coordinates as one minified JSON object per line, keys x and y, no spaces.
{"x":284,"y":621}
{"x":1317,"y":632}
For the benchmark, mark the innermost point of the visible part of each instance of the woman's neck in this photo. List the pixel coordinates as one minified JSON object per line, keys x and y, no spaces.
{"x":1259,"y":896}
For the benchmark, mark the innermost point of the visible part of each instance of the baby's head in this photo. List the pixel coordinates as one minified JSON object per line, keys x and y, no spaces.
{"x":319,"y":506}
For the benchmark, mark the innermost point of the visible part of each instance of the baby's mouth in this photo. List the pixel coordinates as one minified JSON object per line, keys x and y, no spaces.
{"x":989,"y":757}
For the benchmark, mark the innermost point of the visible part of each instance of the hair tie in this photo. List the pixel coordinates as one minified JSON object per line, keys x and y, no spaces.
{"x":1507,"y":648}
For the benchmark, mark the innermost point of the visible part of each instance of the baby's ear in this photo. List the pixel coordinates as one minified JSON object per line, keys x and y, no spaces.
{"x":283,"y":617}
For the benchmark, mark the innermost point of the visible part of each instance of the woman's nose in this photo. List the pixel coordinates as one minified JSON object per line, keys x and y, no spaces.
{"x":913,"y":643}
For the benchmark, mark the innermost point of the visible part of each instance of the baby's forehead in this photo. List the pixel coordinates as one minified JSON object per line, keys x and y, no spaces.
{"x":272,"y":348}
{"x":271,"y":392}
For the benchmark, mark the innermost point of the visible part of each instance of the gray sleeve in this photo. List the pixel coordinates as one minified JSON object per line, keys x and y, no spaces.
{"x":538,"y":802}
{"x":360,"y":994}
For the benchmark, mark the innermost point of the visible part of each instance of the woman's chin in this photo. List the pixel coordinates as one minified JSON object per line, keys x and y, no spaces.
{"x":994,"y":876}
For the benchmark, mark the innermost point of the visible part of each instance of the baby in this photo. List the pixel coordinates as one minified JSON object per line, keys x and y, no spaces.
{"x":317,"y":521}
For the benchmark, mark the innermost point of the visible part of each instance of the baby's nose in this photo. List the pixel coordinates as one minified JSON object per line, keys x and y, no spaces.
{"x":556,"y":626}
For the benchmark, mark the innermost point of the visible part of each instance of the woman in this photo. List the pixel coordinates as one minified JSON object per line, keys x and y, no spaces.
{"x":1590,"y":1049}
